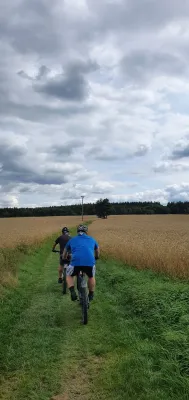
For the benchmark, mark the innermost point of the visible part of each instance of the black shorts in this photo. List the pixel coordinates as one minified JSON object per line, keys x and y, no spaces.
{"x":73,"y":271}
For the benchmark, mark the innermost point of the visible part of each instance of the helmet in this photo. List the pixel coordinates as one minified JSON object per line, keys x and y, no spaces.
{"x":65,"y":230}
{"x":82,"y":228}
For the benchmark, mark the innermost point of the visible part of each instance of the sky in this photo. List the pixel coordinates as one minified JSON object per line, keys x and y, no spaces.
{"x":94,"y":101}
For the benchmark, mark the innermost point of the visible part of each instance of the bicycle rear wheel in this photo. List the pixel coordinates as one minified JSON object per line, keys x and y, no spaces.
{"x":79,"y":279}
{"x":85,"y":306}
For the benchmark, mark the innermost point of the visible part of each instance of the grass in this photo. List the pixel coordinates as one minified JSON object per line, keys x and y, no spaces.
{"x":135,"y":346}
{"x":10,"y":259}
{"x":158,"y":242}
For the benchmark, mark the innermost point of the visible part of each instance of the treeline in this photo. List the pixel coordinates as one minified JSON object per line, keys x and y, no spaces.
{"x":123,"y":208}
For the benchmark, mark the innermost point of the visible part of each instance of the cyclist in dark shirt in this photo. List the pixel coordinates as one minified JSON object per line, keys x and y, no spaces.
{"x":62,"y":240}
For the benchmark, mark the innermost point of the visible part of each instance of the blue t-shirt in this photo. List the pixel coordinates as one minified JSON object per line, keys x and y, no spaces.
{"x":82,"y":249}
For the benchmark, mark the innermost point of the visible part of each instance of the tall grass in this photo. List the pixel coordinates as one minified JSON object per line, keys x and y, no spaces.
{"x":158,"y":242}
{"x":10,"y":259}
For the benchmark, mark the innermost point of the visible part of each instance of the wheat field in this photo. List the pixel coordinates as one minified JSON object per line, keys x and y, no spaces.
{"x":19,"y":236}
{"x":33,"y":229}
{"x":158,"y":242}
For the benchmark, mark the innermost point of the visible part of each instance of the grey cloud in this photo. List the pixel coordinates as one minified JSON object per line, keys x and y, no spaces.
{"x":98,"y":153}
{"x":112,"y":153}
{"x":40,"y":112}
{"x":77,"y":190}
{"x":142,"y":150}
{"x":61,"y":150}
{"x":170,"y":167}
{"x":181,"y":151}
{"x":132,"y":15}
{"x":141,"y":66}
{"x":14,"y":172}
{"x":17,"y":168}
{"x":42,"y":72}
{"x":24,"y":75}
{"x":65,"y":87}
{"x":71,"y":85}
{"x":33,"y":27}
{"x":47,"y":28}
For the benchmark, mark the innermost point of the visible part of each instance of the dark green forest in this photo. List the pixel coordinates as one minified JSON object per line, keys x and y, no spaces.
{"x":102,"y":209}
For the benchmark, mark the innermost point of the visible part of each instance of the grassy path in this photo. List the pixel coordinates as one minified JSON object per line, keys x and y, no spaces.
{"x":135,"y":347}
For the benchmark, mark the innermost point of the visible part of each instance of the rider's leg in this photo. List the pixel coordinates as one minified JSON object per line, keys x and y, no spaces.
{"x":91,"y":283}
{"x":70,"y":281}
{"x":60,"y":271}
{"x":70,"y":273}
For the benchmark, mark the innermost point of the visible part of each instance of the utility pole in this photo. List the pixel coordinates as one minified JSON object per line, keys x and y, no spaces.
{"x":82,"y":197}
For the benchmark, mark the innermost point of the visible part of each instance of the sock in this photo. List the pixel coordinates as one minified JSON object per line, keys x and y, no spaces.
{"x":72,"y":289}
{"x":91,"y":293}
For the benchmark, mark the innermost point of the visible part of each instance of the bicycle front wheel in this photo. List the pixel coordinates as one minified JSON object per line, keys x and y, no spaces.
{"x":85,"y":305}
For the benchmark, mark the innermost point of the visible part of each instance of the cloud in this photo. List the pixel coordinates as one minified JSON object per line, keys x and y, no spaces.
{"x":180,"y":151}
{"x":171,"y":193}
{"x":18,"y":165}
{"x":42,"y":72}
{"x":141,"y":150}
{"x":64,"y":150}
{"x":118,"y":152}
{"x":70,"y":85}
{"x":92,"y":95}
{"x":170,"y":167}
{"x":8,"y":201}
{"x":140,"y":66}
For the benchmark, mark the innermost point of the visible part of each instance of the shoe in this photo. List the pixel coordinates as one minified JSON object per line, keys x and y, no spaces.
{"x":59,"y":280}
{"x":91,"y":297}
{"x":73,"y":296}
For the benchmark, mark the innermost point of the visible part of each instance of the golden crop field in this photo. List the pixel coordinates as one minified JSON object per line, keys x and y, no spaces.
{"x":160,"y":242}
{"x":33,"y":229}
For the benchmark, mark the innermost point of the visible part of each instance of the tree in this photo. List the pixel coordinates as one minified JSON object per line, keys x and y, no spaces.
{"x":103,"y":208}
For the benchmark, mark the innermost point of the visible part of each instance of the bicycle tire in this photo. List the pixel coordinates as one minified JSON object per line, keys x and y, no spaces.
{"x":79,"y":289}
{"x":84,"y":307}
{"x":64,"y":282}
{"x":83,"y":299}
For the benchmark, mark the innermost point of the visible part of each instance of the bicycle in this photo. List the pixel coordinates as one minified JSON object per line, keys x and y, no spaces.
{"x":64,"y":284}
{"x":83,"y":296}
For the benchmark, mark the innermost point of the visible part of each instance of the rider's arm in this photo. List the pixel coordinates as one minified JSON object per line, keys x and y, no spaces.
{"x":54,"y":245}
{"x":97,"y":250}
{"x":67,"y":248}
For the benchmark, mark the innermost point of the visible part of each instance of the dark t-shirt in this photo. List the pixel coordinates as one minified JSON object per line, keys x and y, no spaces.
{"x":62,"y":240}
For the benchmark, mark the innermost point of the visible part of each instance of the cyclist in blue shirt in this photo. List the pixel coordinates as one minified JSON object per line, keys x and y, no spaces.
{"x":84,"y":251}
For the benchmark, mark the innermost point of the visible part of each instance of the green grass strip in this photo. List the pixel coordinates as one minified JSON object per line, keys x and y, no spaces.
{"x":135,"y":347}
